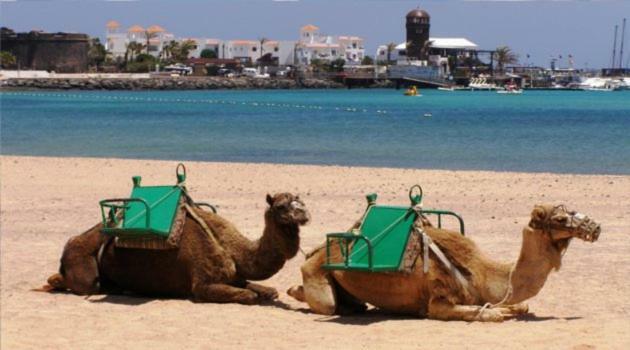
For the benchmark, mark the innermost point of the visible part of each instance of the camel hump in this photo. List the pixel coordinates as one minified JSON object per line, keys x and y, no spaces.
{"x":459,"y":249}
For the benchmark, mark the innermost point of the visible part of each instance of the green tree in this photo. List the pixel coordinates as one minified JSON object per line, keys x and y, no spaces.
{"x":7,"y":59}
{"x":337,"y":65}
{"x":168,"y":49}
{"x":367,"y":60}
{"x":181,"y":51}
{"x":208,"y":53}
{"x":96,"y":53}
{"x":504,"y":56}
{"x":134,"y":48}
{"x":149,"y":35}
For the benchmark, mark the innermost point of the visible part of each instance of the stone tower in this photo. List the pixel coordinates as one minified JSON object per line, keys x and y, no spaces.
{"x":418,"y":25}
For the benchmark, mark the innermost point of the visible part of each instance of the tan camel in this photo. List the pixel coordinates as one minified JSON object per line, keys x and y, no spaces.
{"x":214,"y":268}
{"x":494,"y":290}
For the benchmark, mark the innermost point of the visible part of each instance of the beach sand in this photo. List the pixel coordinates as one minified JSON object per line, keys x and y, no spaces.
{"x":45,"y":201}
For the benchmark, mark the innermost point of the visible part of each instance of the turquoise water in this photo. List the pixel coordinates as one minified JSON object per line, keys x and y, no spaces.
{"x":551,"y":131}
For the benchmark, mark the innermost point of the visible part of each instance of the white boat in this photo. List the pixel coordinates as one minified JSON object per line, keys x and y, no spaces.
{"x":603,"y":84}
{"x":481,"y":84}
{"x":510,"y":92}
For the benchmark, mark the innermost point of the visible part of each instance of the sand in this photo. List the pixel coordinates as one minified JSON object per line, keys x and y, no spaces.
{"x":44,"y":201}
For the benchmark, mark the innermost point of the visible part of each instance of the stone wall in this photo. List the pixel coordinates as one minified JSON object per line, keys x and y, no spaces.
{"x":59,"y":52}
{"x":182,"y":83}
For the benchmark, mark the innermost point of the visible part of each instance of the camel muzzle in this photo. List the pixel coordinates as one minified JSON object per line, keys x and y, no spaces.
{"x":585,"y":228}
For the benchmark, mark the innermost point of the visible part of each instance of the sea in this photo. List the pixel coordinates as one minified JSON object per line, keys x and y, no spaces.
{"x":581,"y":132}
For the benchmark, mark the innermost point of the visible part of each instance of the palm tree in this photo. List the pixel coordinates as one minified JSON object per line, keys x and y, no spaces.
{"x":262,"y":41}
{"x":424,"y":52}
{"x":134,"y":48}
{"x":181,"y":50}
{"x":390,"y":47}
{"x":149,"y":35}
{"x":168,"y":49}
{"x":504,"y":56}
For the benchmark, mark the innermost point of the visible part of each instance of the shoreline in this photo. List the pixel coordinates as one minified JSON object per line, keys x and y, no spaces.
{"x":46,"y":200}
{"x":351,"y":166}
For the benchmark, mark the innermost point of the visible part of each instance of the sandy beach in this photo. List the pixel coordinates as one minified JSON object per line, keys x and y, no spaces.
{"x":45,"y":201}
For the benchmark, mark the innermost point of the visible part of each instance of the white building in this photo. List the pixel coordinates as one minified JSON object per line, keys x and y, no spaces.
{"x":314,"y":45}
{"x":400,"y":51}
{"x":117,"y":40}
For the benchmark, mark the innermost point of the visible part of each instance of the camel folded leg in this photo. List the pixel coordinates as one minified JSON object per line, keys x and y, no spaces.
{"x":318,"y":289}
{"x":264,"y":292}
{"x":441,"y":310}
{"x":223,"y":293}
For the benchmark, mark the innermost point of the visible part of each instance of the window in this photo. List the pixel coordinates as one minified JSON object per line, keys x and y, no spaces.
{"x":354,"y":45}
{"x":334,"y":52}
{"x":254,"y":48}
{"x":275,"y":49}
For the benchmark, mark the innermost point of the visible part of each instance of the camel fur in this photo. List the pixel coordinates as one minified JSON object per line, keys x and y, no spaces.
{"x":495,"y":290}
{"x":207,"y":268}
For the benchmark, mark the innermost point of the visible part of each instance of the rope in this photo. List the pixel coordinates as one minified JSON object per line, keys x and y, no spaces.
{"x":508,"y":294}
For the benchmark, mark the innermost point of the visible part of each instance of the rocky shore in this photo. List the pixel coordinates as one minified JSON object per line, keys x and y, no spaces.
{"x":180,"y":83}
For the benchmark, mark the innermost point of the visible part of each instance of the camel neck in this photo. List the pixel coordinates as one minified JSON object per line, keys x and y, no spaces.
{"x":537,"y":259}
{"x":267,"y":255}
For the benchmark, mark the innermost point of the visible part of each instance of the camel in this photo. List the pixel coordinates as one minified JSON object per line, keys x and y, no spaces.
{"x":492,"y":291}
{"x":206,"y":268}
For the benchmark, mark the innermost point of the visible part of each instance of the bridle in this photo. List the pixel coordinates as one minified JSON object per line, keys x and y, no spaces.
{"x":577,"y":224}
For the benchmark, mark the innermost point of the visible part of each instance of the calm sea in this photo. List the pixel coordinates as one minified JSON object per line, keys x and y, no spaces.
{"x":550,"y":131}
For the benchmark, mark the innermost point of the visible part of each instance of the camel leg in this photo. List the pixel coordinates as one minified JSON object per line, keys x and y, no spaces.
{"x":223,"y":293}
{"x":264,"y":292}
{"x":317,"y":288}
{"x":513,"y":310}
{"x":442,"y":310}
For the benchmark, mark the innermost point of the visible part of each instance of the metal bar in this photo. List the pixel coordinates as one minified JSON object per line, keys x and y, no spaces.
{"x":126,"y":200}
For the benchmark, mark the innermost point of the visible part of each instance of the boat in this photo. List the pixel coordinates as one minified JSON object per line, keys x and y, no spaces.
{"x":481,"y":84}
{"x":412,"y":91}
{"x":511,"y":89}
{"x":602,"y":84}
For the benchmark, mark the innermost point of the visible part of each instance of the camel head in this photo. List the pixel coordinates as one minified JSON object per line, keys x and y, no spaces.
{"x":562,"y":225}
{"x":78,"y":271}
{"x":288,"y":209}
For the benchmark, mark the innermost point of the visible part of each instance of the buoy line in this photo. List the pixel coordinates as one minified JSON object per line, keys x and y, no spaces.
{"x":187,"y":100}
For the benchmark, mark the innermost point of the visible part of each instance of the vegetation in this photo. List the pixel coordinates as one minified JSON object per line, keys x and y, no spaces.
{"x":262,"y":41}
{"x":337,"y":65}
{"x":96,"y":53}
{"x":504,"y":56}
{"x":7,"y":59}
{"x":208,"y":53}
{"x":367,"y":60}
{"x":149,"y":35}
{"x":143,"y":63}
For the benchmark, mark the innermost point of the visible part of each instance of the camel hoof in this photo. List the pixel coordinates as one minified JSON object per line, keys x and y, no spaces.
{"x":268,"y":294}
{"x":248,"y":297}
{"x":297,"y":292}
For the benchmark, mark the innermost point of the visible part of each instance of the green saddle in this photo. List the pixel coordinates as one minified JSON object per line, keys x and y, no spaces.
{"x":380,"y":242}
{"x":149,"y":211}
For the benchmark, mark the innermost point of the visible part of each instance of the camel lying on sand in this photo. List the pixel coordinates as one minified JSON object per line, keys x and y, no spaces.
{"x":490,"y":291}
{"x":208,"y":268}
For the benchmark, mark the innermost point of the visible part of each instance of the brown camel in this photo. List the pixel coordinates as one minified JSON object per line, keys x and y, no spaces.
{"x":208,"y":268}
{"x":491,"y":291}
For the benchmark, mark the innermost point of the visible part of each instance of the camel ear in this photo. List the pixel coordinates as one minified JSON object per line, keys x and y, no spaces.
{"x":539,"y":213}
{"x":269,"y":199}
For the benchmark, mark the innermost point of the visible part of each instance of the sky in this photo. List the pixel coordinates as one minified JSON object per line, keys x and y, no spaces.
{"x":541,"y":29}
